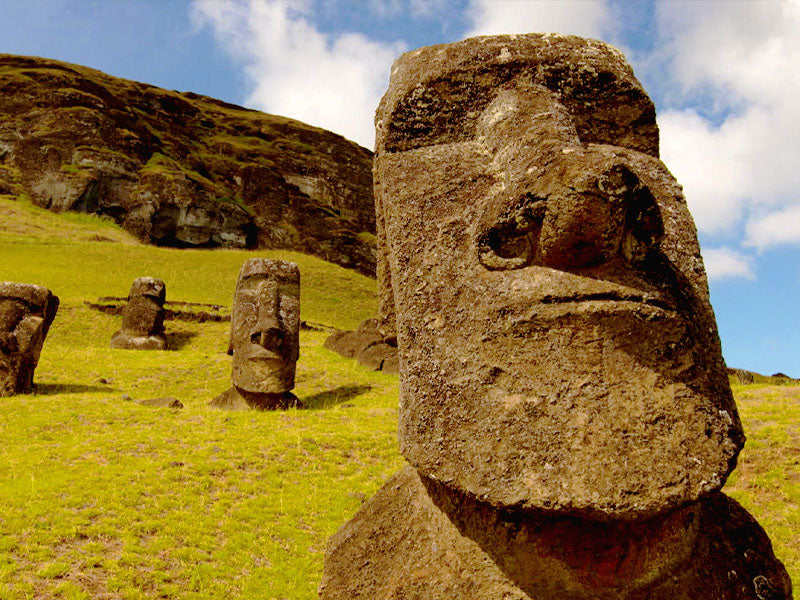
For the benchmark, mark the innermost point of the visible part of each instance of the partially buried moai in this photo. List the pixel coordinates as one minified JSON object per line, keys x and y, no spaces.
{"x":26,"y":313}
{"x":564,"y":405}
{"x":143,"y":317}
{"x":265,"y":336}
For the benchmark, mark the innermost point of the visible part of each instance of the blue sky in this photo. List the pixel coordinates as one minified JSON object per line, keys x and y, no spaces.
{"x":723,"y":76}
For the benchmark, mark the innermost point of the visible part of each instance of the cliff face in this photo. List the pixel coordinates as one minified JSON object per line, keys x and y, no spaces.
{"x":180,"y":169}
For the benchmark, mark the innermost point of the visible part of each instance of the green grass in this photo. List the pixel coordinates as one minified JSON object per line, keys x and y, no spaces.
{"x":104,"y":498}
{"x":22,"y":222}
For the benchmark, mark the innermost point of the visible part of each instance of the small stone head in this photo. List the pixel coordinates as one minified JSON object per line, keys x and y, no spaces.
{"x":144,"y":314}
{"x":558,"y":349}
{"x":26,"y":312}
{"x":265,"y":326}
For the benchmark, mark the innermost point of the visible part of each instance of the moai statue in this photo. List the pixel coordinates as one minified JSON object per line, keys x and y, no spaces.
{"x":564,"y":405}
{"x":26,"y":313}
{"x":143,"y":317}
{"x":265,"y":336}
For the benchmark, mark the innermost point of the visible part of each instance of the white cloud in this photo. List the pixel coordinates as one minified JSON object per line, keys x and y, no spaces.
{"x":333,"y":82}
{"x":774,"y":229}
{"x":736,"y":61}
{"x":724,"y":263}
{"x":589,"y":18}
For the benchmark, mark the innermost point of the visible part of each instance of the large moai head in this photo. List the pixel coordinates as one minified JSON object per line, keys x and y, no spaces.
{"x":558,"y":349}
{"x":265,"y":326}
{"x":144,"y":313}
{"x":26,"y":312}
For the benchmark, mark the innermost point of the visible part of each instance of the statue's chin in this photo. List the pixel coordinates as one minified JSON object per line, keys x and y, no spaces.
{"x":263,"y":376}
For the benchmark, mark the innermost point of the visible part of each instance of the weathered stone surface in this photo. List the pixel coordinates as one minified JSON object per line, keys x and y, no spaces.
{"x":742,"y":376}
{"x":265,"y":336}
{"x":234,"y":400}
{"x":143,"y":317}
{"x":366,"y":345}
{"x":371,"y":325}
{"x":333,"y":339}
{"x":392,"y":363}
{"x":26,"y":313}
{"x":180,"y":169}
{"x":351,"y":343}
{"x":374,"y":356}
{"x":420,"y":540}
{"x":553,"y":319}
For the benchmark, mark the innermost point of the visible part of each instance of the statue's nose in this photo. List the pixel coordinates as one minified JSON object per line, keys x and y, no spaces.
{"x":585,"y":224}
{"x":268,"y":332}
{"x":581,"y":220}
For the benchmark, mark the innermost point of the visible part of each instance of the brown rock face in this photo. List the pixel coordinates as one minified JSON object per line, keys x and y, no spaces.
{"x":265,"y":336}
{"x":179,"y":169}
{"x":417,"y":539}
{"x":26,"y":313}
{"x":557,"y":345}
{"x":143,"y":317}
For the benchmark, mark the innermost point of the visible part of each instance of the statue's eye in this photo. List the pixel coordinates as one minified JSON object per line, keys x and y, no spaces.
{"x":512,"y":242}
{"x":644,"y":227}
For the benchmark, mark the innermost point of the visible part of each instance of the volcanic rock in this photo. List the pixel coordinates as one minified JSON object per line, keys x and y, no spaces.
{"x":367,"y":345}
{"x":180,"y":169}
{"x":553,"y":316}
{"x":143,"y":317}
{"x":26,"y":313}
{"x":265,"y":336}
{"x":564,"y":405}
{"x":417,"y":539}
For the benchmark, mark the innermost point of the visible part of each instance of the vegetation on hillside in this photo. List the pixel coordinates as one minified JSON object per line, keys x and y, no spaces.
{"x":103,"y":498}
{"x":74,"y":138}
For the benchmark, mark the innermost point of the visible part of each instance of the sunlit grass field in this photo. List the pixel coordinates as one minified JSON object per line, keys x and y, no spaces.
{"x":103,"y":498}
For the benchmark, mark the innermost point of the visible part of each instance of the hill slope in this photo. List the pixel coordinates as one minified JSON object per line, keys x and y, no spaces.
{"x":180,"y":169}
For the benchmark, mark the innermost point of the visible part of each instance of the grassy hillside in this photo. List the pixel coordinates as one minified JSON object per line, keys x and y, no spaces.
{"x":103,"y":498}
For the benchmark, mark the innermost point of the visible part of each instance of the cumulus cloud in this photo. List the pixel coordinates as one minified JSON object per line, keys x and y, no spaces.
{"x":725,"y":263}
{"x":589,"y":18}
{"x":774,"y":228}
{"x":296,"y":71}
{"x":732,"y":138}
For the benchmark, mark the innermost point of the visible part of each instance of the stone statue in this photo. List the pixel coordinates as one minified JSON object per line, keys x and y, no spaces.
{"x":563,"y":395}
{"x":26,"y":313}
{"x":143,"y":317}
{"x":265,"y":336}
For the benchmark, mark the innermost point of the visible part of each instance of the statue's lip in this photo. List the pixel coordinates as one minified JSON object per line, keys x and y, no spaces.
{"x":647,"y":299}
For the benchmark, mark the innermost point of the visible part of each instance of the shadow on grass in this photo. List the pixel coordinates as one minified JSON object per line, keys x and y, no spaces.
{"x":179,"y":339}
{"x":335,"y":396}
{"x":51,"y":389}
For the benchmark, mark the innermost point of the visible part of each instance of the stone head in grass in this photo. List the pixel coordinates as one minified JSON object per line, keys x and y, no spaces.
{"x":26,"y":313}
{"x":143,"y":317}
{"x":558,"y":349}
{"x":265,"y":336}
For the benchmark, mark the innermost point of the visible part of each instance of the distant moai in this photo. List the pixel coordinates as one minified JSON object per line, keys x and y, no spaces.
{"x":564,"y":406}
{"x":26,"y":313}
{"x":143,"y":317}
{"x":265,"y":336}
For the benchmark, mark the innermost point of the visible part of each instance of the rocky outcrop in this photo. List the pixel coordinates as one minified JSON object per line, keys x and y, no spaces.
{"x":180,"y":169}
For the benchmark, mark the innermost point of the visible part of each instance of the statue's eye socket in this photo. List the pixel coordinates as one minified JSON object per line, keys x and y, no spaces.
{"x":500,"y":251}
{"x":644,"y":227}
{"x":513,"y":241}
